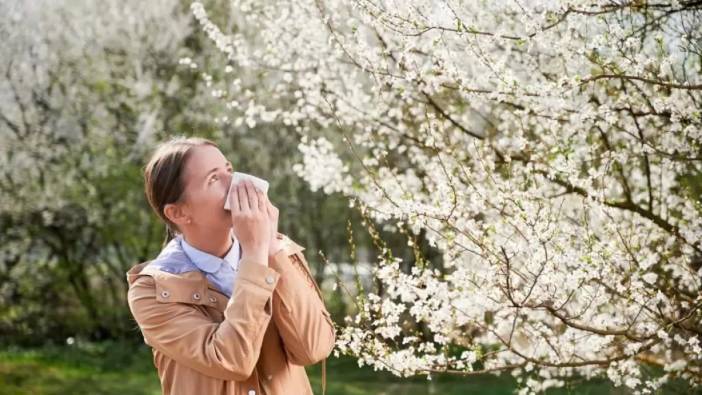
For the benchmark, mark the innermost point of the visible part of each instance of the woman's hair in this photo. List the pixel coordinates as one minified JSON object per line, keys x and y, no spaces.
{"x":163,"y":183}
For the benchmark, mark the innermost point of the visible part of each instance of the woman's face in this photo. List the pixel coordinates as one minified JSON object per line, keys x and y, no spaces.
{"x":206,"y":178}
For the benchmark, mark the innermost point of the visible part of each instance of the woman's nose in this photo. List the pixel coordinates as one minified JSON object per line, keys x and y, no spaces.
{"x":227,"y":177}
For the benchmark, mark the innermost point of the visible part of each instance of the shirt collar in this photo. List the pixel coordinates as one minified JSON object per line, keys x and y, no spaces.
{"x":211,"y":263}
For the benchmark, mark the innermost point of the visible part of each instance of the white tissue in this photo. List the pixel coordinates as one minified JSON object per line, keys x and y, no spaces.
{"x":238,"y":177}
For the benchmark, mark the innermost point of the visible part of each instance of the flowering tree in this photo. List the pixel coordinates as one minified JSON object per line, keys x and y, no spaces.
{"x":550,"y":150}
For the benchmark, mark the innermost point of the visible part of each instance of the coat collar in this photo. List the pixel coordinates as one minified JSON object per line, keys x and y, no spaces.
{"x":191,"y":286}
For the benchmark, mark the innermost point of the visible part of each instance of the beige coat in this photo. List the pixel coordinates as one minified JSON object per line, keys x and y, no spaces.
{"x":256,"y":342}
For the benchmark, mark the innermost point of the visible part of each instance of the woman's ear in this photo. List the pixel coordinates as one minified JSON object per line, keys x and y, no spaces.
{"x":176,"y":214}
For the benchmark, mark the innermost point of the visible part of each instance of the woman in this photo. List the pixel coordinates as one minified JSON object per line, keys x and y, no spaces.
{"x":229,"y":305}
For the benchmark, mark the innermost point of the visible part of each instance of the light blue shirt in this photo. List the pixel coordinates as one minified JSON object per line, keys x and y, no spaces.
{"x":179,"y":257}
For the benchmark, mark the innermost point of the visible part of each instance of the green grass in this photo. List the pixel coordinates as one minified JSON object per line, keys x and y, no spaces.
{"x":345,"y":377}
{"x":104,"y":368}
{"x":124,"y":369}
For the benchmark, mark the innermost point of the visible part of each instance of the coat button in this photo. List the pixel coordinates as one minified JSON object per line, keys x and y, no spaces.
{"x":213,"y":299}
{"x":196,"y":296}
{"x":165,"y":293}
{"x":252,"y":392}
{"x":270,"y":376}
{"x":270,"y":279}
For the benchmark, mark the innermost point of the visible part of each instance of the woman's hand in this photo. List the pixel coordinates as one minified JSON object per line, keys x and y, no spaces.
{"x":250,"y":221}
{"x":276,"y":244}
